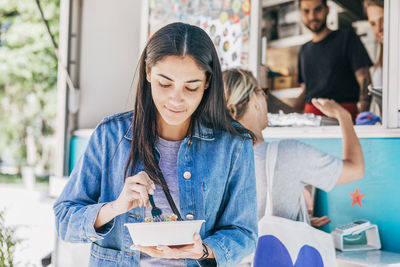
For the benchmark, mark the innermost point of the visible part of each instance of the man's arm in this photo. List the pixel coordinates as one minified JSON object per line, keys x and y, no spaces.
{"x":364,"y":79}
{"x":302,"y":98}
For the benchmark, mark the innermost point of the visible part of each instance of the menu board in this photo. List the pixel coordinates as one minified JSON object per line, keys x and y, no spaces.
{"x":227,"y":22}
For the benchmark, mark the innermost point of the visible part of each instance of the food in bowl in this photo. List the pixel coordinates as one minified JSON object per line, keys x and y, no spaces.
{"x":171,"y":218}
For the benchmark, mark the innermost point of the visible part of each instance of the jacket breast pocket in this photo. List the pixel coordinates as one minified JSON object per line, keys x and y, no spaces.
{"x":211,"y":194}
{"x":104,"y":256}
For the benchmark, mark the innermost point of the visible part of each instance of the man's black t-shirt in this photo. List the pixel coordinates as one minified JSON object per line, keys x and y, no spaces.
{"x":328,"y":67}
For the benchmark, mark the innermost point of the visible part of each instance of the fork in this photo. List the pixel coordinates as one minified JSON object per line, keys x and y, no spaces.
{"x":155,"y":212}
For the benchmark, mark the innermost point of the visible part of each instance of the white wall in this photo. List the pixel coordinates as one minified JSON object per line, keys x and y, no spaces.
{"x":391,"y":65}
{"x":110,"y":39}
{"x":109,"y":53}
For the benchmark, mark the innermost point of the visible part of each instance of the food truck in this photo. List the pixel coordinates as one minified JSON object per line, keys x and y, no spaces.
{"x":100,"y":44}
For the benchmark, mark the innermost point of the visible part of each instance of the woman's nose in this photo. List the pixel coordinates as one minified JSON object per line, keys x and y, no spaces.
{"x":177,"y":94}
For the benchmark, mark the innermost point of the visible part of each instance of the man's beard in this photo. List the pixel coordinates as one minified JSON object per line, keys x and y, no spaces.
{"x":318,"y":30}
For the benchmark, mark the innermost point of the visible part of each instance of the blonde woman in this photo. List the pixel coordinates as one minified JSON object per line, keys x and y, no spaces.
{"x":375,"y":12}
{"x":297,"y":164}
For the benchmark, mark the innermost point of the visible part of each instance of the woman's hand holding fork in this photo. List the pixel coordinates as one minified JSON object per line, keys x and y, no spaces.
{"x":135,"y":193}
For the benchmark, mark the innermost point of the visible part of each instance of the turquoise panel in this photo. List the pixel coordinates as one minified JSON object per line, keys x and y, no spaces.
{"x":381,"y":186}
{"x":77,"y":147}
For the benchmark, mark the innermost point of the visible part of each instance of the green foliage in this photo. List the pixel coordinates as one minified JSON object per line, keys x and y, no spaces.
{"x":10,"y":179}
{"x":28,"y":78}
{"x":8,"y":241}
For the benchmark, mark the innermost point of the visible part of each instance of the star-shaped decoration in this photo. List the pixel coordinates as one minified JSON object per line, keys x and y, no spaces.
{"x":356,"y":197}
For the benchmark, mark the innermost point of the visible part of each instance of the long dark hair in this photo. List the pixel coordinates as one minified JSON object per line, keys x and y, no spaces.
{"x":177,"y":39}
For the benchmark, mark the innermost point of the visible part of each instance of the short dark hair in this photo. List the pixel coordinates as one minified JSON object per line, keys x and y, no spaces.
{"x":322,"y":1}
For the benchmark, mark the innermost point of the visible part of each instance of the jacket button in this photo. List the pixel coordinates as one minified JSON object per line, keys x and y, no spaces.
{"x":189,"y":216}
{"x":187,"y":175}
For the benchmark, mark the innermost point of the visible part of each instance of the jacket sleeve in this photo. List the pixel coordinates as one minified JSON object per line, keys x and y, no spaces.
{"x":236,"y":233}
{"x":77,"y":207}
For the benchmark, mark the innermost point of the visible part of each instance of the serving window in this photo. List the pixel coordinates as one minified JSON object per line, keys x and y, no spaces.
{"x":284,"y":34}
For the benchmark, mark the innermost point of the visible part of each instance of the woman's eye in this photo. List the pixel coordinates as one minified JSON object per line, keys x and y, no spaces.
{"x":192,"y":89}
{"x":164,"y":85}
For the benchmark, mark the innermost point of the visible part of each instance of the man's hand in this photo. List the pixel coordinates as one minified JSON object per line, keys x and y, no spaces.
{"x":363,"y":105}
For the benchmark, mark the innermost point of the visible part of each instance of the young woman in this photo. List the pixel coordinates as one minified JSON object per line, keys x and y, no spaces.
{"x":374,"y":10}
{"x":179,"y":145}
{"x":297,"y":164}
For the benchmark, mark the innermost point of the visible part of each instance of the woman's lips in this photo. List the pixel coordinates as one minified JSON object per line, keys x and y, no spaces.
{"x":174,"y":110}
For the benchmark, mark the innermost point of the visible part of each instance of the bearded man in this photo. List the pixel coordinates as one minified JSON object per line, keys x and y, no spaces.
{"x":334,"y":64}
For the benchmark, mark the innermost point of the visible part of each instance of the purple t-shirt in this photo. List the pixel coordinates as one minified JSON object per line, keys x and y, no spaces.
{"x":168,"y":165}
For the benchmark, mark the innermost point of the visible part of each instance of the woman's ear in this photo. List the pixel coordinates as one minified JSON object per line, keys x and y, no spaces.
{"x":254,"y":101}
{"x":207,"y":84}
{"x":148,"y":74}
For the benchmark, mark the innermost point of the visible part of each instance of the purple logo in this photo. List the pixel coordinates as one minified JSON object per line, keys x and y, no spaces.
{"x":272,"y":252}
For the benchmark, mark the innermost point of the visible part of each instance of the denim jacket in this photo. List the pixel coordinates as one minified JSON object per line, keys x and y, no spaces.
{"x":221,"y":191}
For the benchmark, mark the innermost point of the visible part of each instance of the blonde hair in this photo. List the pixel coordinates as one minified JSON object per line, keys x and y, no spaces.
{"x":368,"y":3}
{"x":379,"y":3}
{"x":239,"y":84}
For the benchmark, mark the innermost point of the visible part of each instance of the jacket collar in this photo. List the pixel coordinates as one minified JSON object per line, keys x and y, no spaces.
{"x":202,"y":132}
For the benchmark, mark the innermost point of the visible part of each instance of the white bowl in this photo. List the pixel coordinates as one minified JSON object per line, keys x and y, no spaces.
{"x":164,"y":233}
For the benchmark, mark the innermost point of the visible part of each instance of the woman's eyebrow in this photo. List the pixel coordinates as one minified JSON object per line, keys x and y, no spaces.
{"x":191,"y":81}
{"x":194,"y":81}
{"x":166,"y":77}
